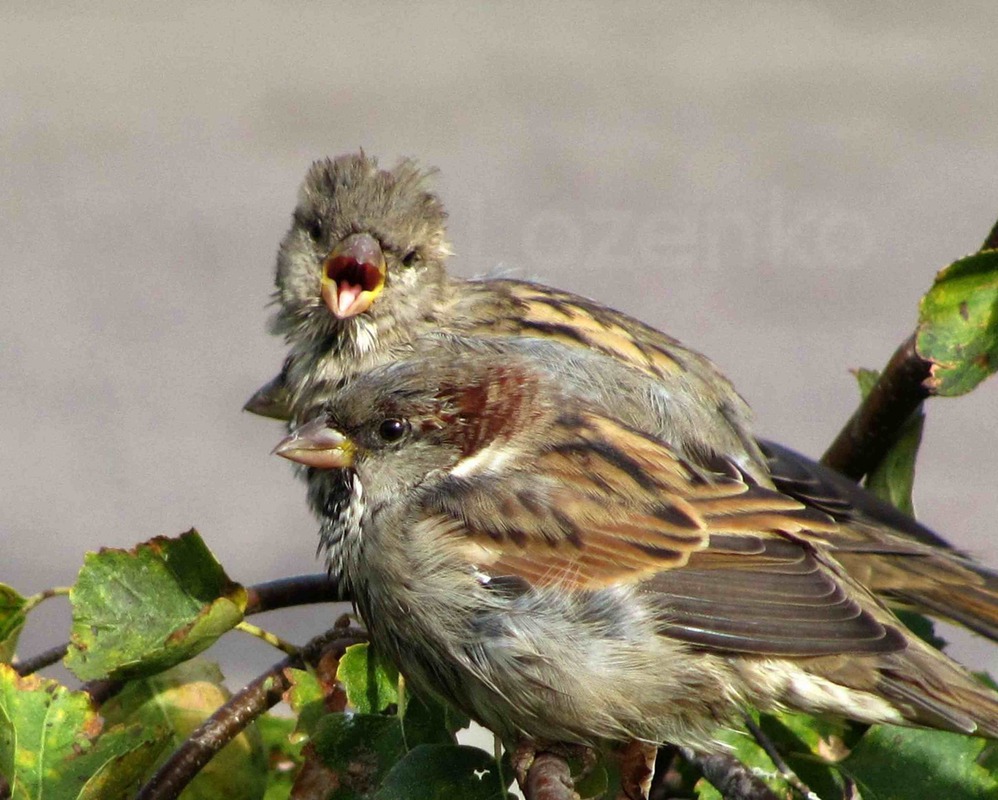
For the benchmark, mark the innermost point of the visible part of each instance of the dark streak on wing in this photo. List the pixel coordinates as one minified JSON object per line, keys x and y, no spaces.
{"x":611,"y":455}
{"x":555,"y":330}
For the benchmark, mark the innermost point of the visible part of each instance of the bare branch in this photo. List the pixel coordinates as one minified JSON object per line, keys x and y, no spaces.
{"x":991,"y":243}
{"x":245,"y":706}
{"x":44,"y":659}
{"x":875,"y":425}
{"x":729,"y":776}
{"x":297,"y":591}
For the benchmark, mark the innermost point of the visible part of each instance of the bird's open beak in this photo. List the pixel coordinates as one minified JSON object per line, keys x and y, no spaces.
{"x":271,"y":400}
{"x":353,"y":275}
{"x":315,"y":444}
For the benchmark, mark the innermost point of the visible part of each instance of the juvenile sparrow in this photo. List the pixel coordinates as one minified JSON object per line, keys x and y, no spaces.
{"x":361,"y":275}
{"x":560,"y":574}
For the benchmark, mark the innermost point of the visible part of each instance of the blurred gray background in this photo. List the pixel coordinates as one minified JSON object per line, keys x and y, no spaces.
{"x":774,"y":183}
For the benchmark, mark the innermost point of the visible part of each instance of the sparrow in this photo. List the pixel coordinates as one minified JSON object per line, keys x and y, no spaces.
{"x":361,"y":276}
{"x":560,"y":574}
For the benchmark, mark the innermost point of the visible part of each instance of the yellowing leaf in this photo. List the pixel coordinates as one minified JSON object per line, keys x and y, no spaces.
{"x":54,"y":745}
{"x":137,"y":612}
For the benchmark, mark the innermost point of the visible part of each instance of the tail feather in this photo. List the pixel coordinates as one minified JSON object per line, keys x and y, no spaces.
{"x":897,"y":557}
{"x":944,"y":585}
{"x":931,"y":690}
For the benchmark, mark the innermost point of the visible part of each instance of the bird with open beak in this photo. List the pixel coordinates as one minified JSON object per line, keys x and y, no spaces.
{"x":361,"y":277}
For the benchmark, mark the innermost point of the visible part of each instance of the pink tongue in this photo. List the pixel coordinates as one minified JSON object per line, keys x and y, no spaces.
{"x":347,"y":294}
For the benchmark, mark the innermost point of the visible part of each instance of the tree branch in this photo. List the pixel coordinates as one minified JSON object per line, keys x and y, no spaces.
{"x":991,"y":243}
{"x":729,"y":776}
{"x":244,"y":706}
{"x":875,"y":425}
{"x":297,"y":591}
{"x":44,"y":659}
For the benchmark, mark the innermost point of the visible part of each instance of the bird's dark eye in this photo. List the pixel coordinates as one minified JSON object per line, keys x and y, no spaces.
{"x":409,"y":258}
{"x":391,"y":430}
{"x":313,"y":227}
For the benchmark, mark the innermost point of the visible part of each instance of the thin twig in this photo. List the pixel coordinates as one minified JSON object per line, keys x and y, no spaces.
{"x":229,"y":720}
{"x":769,"y":747}
{"x":41,"y":597}
{"x":44,"y":659}
{"x":729,"y":776}
{"x":267,"y":637}
{"x":875,"y":425}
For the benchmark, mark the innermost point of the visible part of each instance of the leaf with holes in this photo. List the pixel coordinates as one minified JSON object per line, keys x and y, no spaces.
{"x":958,"y":324}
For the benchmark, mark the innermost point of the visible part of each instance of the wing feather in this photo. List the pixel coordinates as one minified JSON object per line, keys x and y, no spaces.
{"x":724,"y":563}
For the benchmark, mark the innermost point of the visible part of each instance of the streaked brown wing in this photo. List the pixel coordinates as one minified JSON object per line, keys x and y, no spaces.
{"x":567,"y":317}
{"x":708,"y":422}
{"x":726,"y":564}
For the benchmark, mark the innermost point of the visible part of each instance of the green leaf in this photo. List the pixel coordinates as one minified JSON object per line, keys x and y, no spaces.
{"x":867,"y":379}
{"x":958,"y":324}
{"x":11,"y":621}
{"x":358,"y":750}
{"x":371,"y":683}
{"x":306,"y":698}
{"x":427,"y":720}
{"x":443,"y":772}
{"x":921,"y":626}
{"x":283,"y":756}
{"x":745,"y":748}
{"x":810,"y":746}
{"x":140,"y":611}
{"x":121,"y":776}
{"x":54,"y":745}
{"x":893,"y":763}
{"x":174,"y":703}
{"x":596,"y":782}
{"x":893,"y":479}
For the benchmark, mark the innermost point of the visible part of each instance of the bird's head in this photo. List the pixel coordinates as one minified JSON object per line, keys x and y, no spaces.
{"x":366,"y":247}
